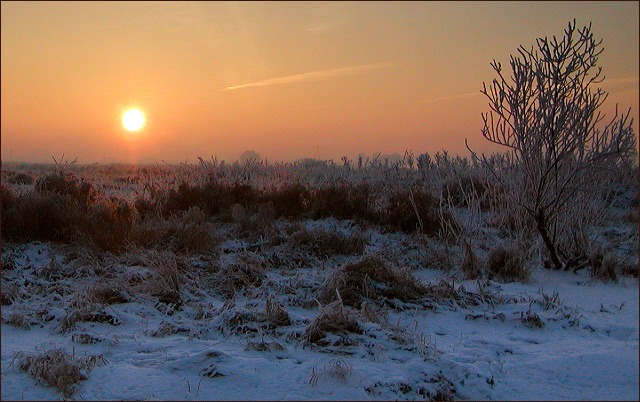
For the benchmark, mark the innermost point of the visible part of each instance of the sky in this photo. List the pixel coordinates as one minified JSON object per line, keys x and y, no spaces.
{"x":287,"y":80}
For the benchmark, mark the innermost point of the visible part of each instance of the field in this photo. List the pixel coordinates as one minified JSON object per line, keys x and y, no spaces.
{"x":368,"y":279}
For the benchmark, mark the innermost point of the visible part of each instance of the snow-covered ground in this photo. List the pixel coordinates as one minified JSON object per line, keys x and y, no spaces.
{"x":561,"y":335}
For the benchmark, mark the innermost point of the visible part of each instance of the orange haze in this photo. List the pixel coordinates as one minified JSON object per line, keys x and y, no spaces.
{"x":288,"y":80}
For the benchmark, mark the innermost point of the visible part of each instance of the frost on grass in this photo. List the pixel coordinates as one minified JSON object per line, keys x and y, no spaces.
{"x":59,"y":369}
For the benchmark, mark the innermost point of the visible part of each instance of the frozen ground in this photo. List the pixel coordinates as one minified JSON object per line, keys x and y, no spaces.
{"x":559,"y":336}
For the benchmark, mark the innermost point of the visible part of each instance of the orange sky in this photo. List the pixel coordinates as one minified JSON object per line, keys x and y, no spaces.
{"x":288,"y":80}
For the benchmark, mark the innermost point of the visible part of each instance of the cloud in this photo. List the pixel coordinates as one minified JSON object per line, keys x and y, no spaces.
{"x":314,"y":75}
{"x":619,"y":84}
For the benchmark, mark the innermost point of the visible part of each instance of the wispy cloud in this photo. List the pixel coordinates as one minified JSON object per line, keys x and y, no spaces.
{"x":314,"y":75}
{"x":619,"y":84}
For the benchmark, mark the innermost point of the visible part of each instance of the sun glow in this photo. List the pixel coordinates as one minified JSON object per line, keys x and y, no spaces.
{"x":133,"y":120}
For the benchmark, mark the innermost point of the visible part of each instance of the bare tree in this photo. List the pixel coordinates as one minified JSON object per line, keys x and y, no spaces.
{"x":560,"y":156}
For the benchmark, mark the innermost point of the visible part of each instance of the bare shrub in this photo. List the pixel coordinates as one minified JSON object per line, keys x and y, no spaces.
{"x":371,"y":278}
{"x":558,"y":160}
{"x":507,"y":264}
{"x":334,"y":318}
{"x":59,"y":369}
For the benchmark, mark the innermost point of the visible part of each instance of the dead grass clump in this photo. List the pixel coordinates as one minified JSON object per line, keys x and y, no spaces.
{"x":276,"y":313}
{"x":334,"y":318}
{"x":470,"y":264}
{"x":248,"y":271}
{"x":213,"y":198}
{"x":371,"y":278}
{"x":259,"y":223}
{"x":21,"y":178}
{"x":67,"y":184}
{"x":445,"y":293}
{"x":290,"y":201}
{"x":325,"y":243}
{"x":184,"y":233}
{"x":167,"y":328}
{"x":166,"y":276}
{"x":39,"y":216}
{"x":19,"y":320}
{"x":342,"y":201}
{"x":59,"y":369}
{"x":75,"y":315}
{"x":507,"y":264}
{"x":107,"y":294}
{"x":109,"y":223}
{"x":412,"y":211}
{"x":461,"y":190}
{"x":603,"y":266}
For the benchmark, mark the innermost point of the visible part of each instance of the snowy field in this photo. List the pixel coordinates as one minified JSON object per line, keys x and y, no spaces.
{"x":582,"y":346}
{"x":277,"y":317}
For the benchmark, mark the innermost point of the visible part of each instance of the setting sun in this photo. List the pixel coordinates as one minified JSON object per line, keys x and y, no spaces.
{"x":133,"y":120}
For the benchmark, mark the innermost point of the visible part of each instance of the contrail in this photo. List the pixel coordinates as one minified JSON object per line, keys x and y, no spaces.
{"x":314,"y":75}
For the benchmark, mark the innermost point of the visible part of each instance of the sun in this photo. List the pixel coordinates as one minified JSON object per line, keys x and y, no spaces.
{"x":133,"y":120}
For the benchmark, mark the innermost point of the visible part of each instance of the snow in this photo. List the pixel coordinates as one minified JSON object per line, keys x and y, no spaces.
{"x":212,"y":348}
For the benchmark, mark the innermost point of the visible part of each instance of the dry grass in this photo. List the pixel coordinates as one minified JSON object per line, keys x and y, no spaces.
{"x":185,"y":232}
{"x":507,"y":264}
{"x":325,"y":243}
{"x":334,"y":318}
{"x":471,"y":266}
{"x":59,"y":369}
{"x":603,"y":266}
{"x":248,"y":271}
{"x":255,"y":224}
{"x":276,"y":313}
{"x":371,"y":278}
